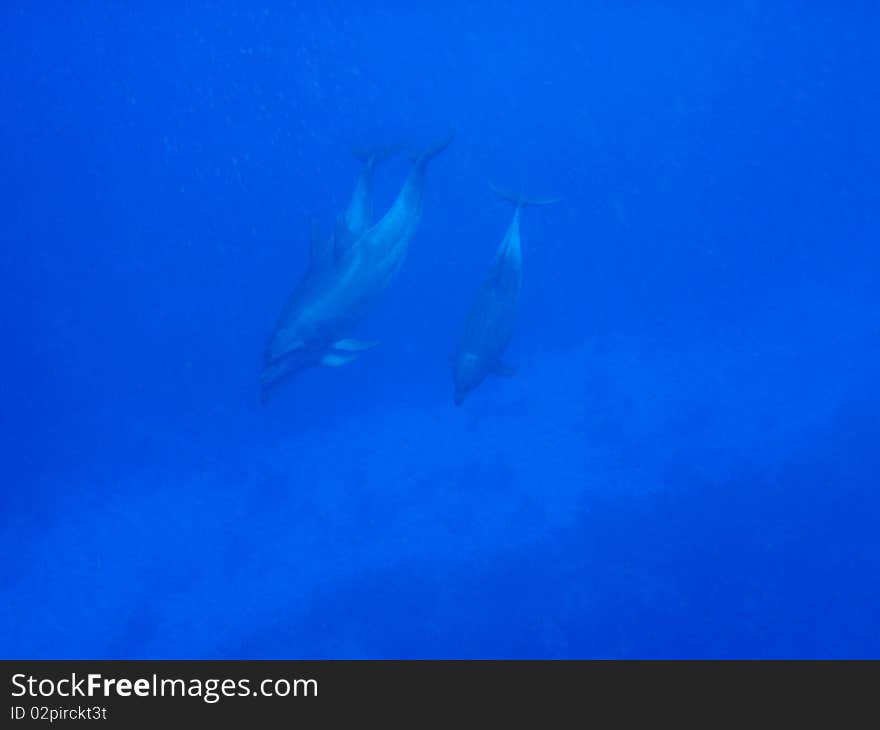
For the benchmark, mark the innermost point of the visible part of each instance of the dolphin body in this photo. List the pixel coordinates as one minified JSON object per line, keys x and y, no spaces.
{"x":358,"y":216}
{"x":350,"y":226}
{"x":342,"y":283}
{"x":490,"y":321}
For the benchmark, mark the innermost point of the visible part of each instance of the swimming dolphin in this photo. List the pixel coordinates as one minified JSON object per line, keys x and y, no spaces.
{"x":323,"y":252}
{"x":354,"y":222}
{"x":490,"y":321}
{"x":317,"y":322}
{"x":358,"y":216}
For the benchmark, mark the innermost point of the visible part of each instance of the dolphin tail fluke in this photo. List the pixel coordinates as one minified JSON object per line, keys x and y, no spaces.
{"x":424,"y":156}
{"x":374,"y":154}
{"x":519,"y":200}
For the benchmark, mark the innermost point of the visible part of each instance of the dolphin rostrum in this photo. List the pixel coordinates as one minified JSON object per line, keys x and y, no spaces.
{"x":317,"y":322}
{"x":490,"y":321}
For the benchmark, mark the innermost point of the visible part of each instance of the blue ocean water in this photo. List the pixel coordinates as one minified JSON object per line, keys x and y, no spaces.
{"x":685,"y":463}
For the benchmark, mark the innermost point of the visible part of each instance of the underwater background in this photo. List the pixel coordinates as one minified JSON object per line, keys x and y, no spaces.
{"x":685,"y":463}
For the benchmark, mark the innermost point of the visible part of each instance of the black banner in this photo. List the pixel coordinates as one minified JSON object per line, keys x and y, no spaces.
{"x":178,"y":693}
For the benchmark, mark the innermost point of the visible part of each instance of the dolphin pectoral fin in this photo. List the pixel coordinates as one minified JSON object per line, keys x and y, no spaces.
{"x":334,"y":359}
{"x":503,"y":370}
{"x":353,"y":345}
{"x":344,"y":351}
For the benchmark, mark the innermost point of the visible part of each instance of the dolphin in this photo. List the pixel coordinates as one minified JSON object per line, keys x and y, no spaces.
{"x":316,"y":324}
{"x":323,"y":252}
{"x":490,"y":321}
{"x":355,"y":221}
{"x":358,"y":216}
